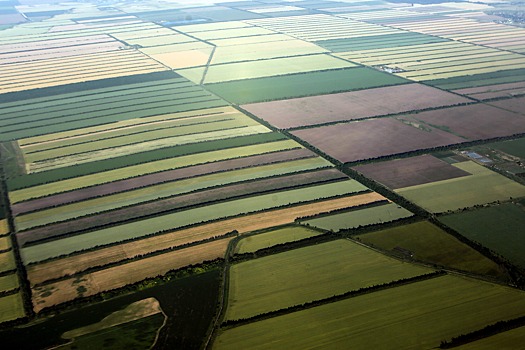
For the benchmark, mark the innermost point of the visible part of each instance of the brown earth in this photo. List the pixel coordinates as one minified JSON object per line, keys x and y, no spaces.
{"x":374,"y":138}
{"x":516,"y":104}
{"x":352,"y":105}
{"x":413,"y":171}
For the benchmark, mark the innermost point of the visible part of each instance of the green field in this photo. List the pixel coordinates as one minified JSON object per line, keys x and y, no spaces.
{"x":147,"y":168}
{"x":265,"y":68}
{"x":138,"y":138}
{"x":163,"y":190}
{"x":483,"y":186}
{"x":504,"y":76}
{"x":187,"y":217}
{"x":512,"y":147}
{"x":414,"y":316}
{"x":11,"y":307}
{"x":297,"y":85}
{"x":271,"y":238}
{"x":311,"y":273}
{"x":506,"y":340}
{"x":78,"y":170}
{"x":431,"y":244}
{"x":8,"y":282}
{"x":499,"y":228}
{"x":7,"y":262}
{"x":360,"y":217}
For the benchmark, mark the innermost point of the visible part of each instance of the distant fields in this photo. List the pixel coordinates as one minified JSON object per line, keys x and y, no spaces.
{"x":299,"y":85}
{"x":75,"y":110}
{"x":307,"y":274}
{"x":429,"y":243}
{"x":411,"y":316}
{"x":499,"y":228}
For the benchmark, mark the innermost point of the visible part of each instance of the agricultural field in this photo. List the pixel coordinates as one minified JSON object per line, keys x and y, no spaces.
{"x":498,"y":228}
{"x":257,"y":174}
{"x":411,"y":316}
{"x":374,"y":138}
{"x":308,"y":274}
{"x":427,"y":242}
{"x":481,"y":187}
{"x":348,"y":106}
{"x":357,"y":217}
{"x":274,"y":237}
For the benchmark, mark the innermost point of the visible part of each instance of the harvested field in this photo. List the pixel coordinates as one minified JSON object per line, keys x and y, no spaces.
{"x":38,"y":273}
{"x":499,"y":228}
{"x":122,"y":213}
{"x":373,"y":138}
{"x":351,"y":105}
{"x":171,"y":221}
{"x":11,"y":307}
{"x":413,"y":316}
{"x":412,"y":171}
{"x":5,"y":243}
{"x":483,"y":186}
{"x":429,"y":243}
{"x":516,"y":104}
{"x":360,"y":217}
{"x":474,"y":122}
{"x":160,"y":177}
{"x":122,"y":275}
{"x":274,"y":237}
{"x":306,"y":274}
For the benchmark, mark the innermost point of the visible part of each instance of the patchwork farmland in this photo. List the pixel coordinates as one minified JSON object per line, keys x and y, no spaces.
{"x":261,"y":174}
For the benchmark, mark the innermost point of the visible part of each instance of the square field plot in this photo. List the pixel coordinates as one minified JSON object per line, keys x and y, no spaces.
{"x":373,"y":138}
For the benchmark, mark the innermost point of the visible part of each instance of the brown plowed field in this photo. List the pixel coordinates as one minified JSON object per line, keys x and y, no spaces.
{"x":178,"y":202}
{"x":352,"y":105}
{"x":373,"y":138}
{"x":157,"y":178}
{"x":122,"y":275}
{"x":39,"y":273}
{"x":516,"y":104}
{"x":476,"y":122}
{"x":493,"y":91}
{"x":413,"y":171}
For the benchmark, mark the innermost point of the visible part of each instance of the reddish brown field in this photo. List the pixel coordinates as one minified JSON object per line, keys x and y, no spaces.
{"x":493,"y":91}
{"x":516,"y":104}
{"x":413,"y":171}
{"x":352,"y":105}
{"x":157,"y":178}
{"x":39,"y":273}
{"x":373,"y":138}
{"x":475,"y":122}
{"x":122,"y":275}
{"x":179,"y":202}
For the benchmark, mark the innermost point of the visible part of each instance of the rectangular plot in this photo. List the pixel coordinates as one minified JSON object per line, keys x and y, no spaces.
{"x":351,"y":105}
{"x":374,"y":138}
{"x":7,"y":262}
{"x":298,"y":85}
{"x":11,"y":307}
{"x":311,"y":273}
{"x":360,"y":217}
{"x":8,"y":282}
